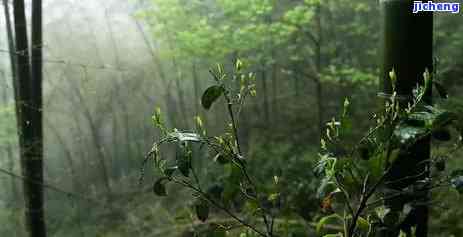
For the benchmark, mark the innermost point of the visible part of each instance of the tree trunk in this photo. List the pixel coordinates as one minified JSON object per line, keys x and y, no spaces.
{"x":196,"y":88}
{"x":297,"y":82}
{"x":115,"y":141}
{"x":265,"y":95}
{"x":274,"y":76}
{"x":127,"y":160}
{"x":318,"y":65}
{"x":67,"y":154}
{"x":407,"y":48}
{"x":13,"y":58}
{"x":95,"y":136}
{"x":30,"y":114}
{"x":154,"y":57}
{"x":37,"y":217}
{"x":181,"y":97}
{"x":76,"y":186}
{"x":160,"y":70}
{"x":113,"y":40}
{"x":123,"y":106}
{"x":11,"y":47}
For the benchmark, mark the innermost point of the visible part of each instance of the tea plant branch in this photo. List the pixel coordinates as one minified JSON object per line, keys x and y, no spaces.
{"x":243,"y":168}
{"x":400,"y":193}
{"x":272,"y":221}
{"x":409,"y":177}
{"x":345,"y":194}
{"x":366,"y":194}
{"x":256,"y":198}
{"x":233,"y":121}
{"x":241,"y":103}
{"x":217,"y":205}
{"x":367,"y":136}
{"x":167,"y":230}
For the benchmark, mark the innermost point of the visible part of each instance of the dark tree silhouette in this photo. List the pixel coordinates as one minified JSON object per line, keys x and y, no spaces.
{"x":407,"y":48}
{"x":29,"y":81}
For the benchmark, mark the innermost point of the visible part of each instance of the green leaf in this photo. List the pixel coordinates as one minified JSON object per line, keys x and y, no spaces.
{"x":376,"y":166}
{"x":251,"y":207}
{"x":325,"y":220}
{"x":238,"y":65}
{"x":402,"y":234}
{"x":432,"y":118}
{"x":326,"y":186}
{"x":186,"y":136}
{"x":420,"y":119}
{"x":159,"y":188}
{"x":382,"y":211}
{"x":440,"y":118}
{"x":231,"y":185}
{"x":157,"y":119}
{"x":211,"y":95}
{"x":346,"y":126}
{"x":393,"y":78}
{"x":183,"y":159}
{"x":202,"y":210}
{"x":406,"y":134}
{"x":273,"y":196}
{"x":363,"y":224}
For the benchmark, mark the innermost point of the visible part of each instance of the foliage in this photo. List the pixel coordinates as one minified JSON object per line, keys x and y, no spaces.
{"x":257,"y":30}
{"x":360,"y":177}
{"x":223,"y":150}
{"x":352,"y":173}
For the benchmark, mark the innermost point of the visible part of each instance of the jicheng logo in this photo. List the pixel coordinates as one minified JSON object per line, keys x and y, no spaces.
{"x":430,"y":6}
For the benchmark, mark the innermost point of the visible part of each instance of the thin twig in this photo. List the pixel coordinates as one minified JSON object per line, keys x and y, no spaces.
{"x":243,"y":169}
{"x":213,"y":202}
{"x":363,"y":201}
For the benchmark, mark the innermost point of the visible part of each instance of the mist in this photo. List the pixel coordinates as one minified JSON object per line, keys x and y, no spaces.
{"x":223,"y":118}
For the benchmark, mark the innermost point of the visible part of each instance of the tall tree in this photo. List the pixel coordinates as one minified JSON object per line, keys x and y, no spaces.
{"x":11,"y":48}
{"x":30,"y":113}
{"x":94,"y":125}
{"x":318,"y":66}
{"x":407,"y":49}
{"x":10,"y":37}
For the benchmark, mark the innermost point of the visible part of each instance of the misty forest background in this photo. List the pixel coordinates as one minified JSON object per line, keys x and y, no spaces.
{"x":109,"y":64}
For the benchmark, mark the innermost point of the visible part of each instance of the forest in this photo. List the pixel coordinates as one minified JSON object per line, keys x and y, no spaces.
{"x":224,"y":118}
